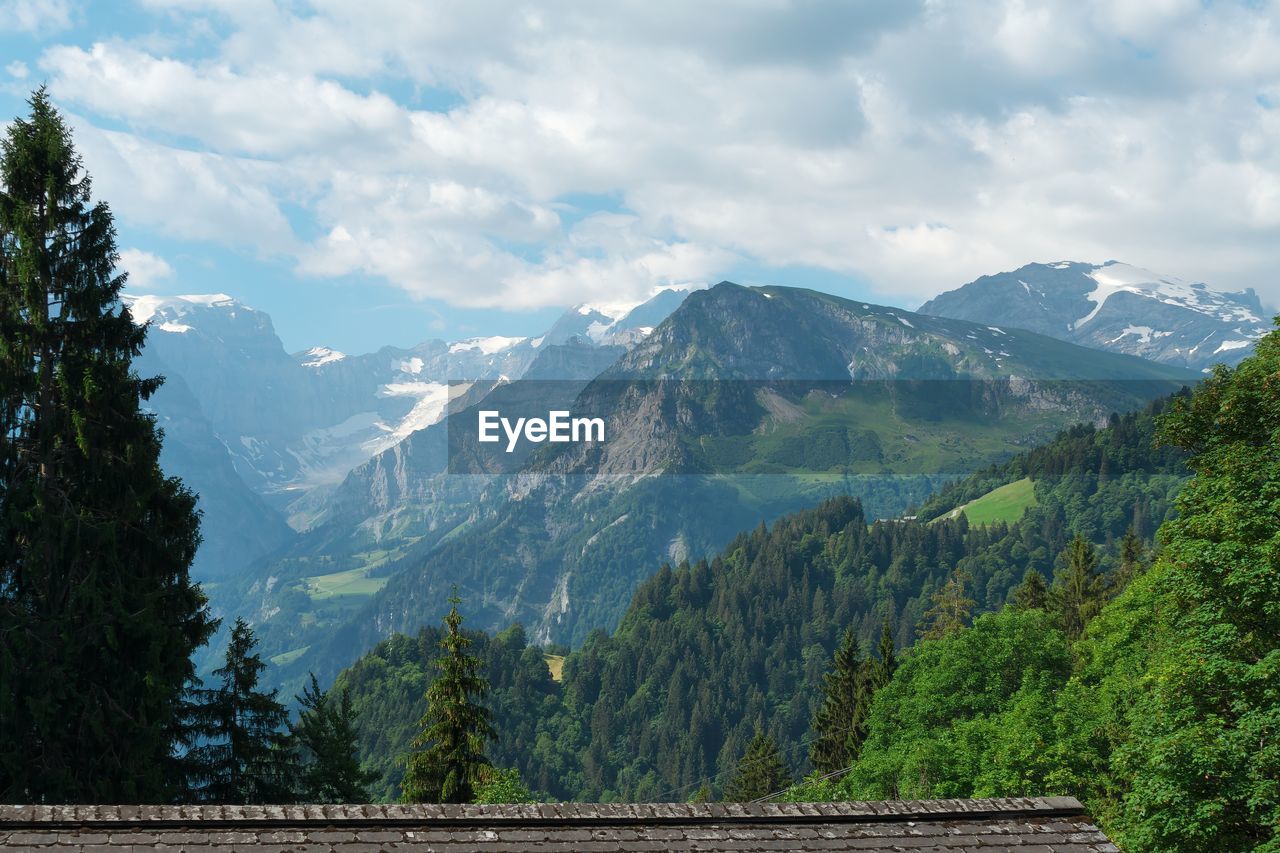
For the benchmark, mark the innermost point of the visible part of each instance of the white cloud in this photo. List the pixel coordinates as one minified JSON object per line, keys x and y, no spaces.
{"x":17,"y":70}
{"x":917,"y":145}
{"x":187,"y":194}
{"x":146,"y":270}
{"x":35,"y":16}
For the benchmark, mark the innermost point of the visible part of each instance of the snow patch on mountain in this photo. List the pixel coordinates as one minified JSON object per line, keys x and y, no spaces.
{"x":1115,"y":277}
{"x":318,"y":356}
{"x":488,"y":346}
{"x":143,"y":308}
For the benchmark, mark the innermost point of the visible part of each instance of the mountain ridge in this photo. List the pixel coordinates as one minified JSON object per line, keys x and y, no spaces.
{"x":1115,"y":307}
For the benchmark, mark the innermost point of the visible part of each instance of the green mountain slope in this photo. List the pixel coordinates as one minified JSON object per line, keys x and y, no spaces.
{"x":709,"y":649}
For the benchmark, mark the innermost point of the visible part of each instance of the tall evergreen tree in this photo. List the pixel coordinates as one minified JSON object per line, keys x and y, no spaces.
{"x":839,"y":725}
{"x":761,"y":772}
{"x":886,"y":656}
{"x":1133,"y":557}
{"x":1079,"y":589}
{"x":98,"y":613}
{"x":325,"y":735}
{"x":1032,"y":593}
{"x":950,"y":609}
{"x":244,"y":755}
{"x":448,"y":753}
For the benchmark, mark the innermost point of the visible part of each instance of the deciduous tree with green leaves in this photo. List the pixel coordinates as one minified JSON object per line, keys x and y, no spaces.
{"x":448,"y":753}
{"x":1203,"y":748}
{"x":98,"y":613}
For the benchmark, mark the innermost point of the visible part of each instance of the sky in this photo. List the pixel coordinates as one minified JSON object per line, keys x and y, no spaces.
{"x":384,"y":172}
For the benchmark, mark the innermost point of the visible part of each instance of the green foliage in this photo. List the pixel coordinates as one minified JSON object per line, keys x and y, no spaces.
{"x":839,"y":726}
{"x":502,"y":785}
{"x":964,"y":712}
{"x":1203,"y":747}
{"x":447,"y":756}
{"x":950,"y":608}
{"x":325,"y":737}
{"x":98,"y":614}
{"x":243,"y":754}
{"x":1079,"y":589}
{"x":761,"y":772}
{"x":1032,"y":593}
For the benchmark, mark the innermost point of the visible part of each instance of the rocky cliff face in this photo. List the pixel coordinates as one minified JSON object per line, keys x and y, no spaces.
{"x":1115,"y":307}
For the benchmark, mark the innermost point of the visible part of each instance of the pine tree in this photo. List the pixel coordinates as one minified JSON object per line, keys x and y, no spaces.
{"x":325,"y":735}
{"x":886,"y":658}
{"x":761,"y":772}
{"x":1079,"y":589}
{"x":448,"y":752}
{"x":950,"y":610}
{"x":839,"y":725}
{"x":1032,"y":593}
{"x":98,"y":613}
{"x":1133,"y":557}
{"x":244,"y":755}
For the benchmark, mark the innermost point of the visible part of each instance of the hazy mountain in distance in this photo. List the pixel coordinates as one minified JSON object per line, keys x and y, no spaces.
{"x":262,"y":435}
{"x":1115,"y":307}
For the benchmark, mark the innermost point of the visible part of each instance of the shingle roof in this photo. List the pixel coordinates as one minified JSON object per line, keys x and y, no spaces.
{"x":1054,"y":823}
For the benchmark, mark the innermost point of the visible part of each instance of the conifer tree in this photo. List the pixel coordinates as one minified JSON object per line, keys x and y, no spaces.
{"x":761,"y":772}
{"x":244,"y":755}
{"x":448,"y":752}
{"x":839,"y":723}
{"x":1133,"y":555}
{"x":886,"y":657}
{"x":950,"y":609}
{"x":1032,"y":593}
{"x":98,"y":614}
{"x":1079,"y":589}
{"x":325,"y":736}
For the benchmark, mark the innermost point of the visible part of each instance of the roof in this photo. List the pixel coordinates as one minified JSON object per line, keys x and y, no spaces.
{"x":1019,"y":824}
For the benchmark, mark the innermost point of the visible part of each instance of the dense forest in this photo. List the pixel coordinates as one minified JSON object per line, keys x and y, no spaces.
{"x":1160,"y":709}
{"x":709,"y":652}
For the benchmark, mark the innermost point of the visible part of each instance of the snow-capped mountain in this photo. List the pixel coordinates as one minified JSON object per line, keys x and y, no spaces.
{"x":1117,"y":307}
{"x":288,"y":424}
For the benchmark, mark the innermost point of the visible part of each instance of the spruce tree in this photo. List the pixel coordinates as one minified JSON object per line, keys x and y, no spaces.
{"x":1032,"y":593}
{"x":98,"y":613}
{"x":950,"y":609}
{"x":839,"y":725}
{"x":1133,"y":557}
{"x":325,"y":735}
{"x":761,"y":772}
{"x":886,"y":658}
{"x":1079,"y":589}
{"x":448,"y":753}
{"x":244,"y":755}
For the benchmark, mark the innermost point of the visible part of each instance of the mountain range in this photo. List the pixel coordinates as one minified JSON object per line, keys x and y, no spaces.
{"x":1116,"y":307}
{"x":332,"y":473}
{"x":744,"y":404}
